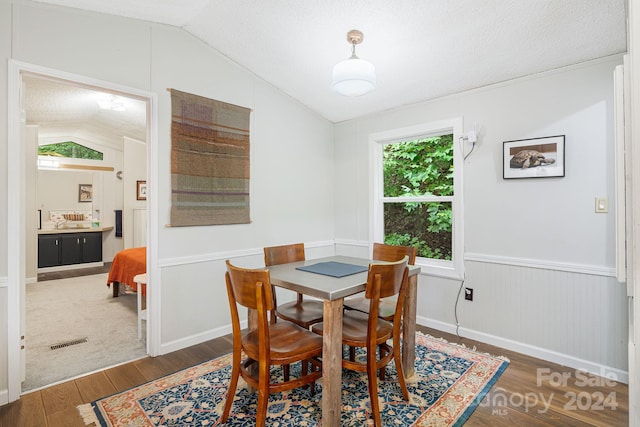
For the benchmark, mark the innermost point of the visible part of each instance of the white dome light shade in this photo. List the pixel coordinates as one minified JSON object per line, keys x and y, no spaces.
{"x":353,"y":77}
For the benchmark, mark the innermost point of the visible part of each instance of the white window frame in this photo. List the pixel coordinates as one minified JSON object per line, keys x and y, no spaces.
{"x":453,"y":269}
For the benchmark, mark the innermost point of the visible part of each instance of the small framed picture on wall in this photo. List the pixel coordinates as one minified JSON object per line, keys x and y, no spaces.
{"x":141,"y":190}
{"x":534,"y":158}
{"x":85,"y":193}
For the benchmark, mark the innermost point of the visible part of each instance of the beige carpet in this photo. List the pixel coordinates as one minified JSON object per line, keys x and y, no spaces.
{"x":70,"y":310}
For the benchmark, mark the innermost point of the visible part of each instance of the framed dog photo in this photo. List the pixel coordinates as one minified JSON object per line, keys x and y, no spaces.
{"x":533,"y":158}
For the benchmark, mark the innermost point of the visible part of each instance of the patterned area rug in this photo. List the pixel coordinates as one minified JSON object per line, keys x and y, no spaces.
{"x":450,"y":382}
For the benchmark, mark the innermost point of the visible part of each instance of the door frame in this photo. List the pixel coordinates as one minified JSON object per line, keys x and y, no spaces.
{"x":16,"y":210}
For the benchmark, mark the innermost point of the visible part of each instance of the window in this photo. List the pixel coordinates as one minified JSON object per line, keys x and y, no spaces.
{"x":69,"y":149}
{"x":417,"y":188}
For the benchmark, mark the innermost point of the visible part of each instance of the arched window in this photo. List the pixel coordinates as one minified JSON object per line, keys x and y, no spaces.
{"x":69,"y":149}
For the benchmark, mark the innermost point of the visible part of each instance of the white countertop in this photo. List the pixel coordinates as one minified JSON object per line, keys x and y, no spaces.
{"x":75,"y":230}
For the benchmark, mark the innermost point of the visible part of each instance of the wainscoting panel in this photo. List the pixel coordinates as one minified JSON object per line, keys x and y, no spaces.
{"x":569,"y":314}
{"x":194,"y":303}
{"x":572,"y":316}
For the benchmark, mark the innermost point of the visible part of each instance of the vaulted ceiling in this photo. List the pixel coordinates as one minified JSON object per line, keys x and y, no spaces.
{"x":422,"y":49}
{"x":65,"y":112}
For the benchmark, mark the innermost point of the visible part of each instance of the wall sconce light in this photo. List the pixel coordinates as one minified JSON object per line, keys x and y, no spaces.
{"x":353,"y":76}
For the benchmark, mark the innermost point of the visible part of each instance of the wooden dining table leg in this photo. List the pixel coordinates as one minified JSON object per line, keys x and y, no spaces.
{"x":409,"y":327}
{"x":332,"y":363}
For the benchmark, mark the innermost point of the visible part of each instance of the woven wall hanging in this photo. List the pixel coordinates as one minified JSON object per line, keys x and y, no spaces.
{"x":209,"y":161}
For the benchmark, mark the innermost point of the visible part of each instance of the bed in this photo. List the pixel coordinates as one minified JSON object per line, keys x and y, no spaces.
{"x":125,"y":266}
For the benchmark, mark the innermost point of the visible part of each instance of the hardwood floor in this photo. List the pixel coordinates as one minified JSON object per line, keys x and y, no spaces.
{"x":531,"y":392}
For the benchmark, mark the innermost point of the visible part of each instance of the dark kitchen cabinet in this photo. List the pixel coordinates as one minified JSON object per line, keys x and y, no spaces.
{"x":69,"y":248}
{"x":48,"y":250}
{"x":91,"y":247}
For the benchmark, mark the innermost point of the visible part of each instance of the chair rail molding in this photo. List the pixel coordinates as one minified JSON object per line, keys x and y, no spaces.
{"x":593,"y":270}
{"x":221,"y":256}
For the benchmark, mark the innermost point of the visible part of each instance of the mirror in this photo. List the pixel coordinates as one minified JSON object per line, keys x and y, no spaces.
{"x":65,"y":197}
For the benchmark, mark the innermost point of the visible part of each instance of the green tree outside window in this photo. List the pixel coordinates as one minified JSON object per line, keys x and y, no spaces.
{"x":69,"y":149}
{"x":419,"y":168}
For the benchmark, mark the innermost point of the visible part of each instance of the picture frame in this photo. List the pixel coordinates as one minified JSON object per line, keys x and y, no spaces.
{"x":533,"y":158}
{"x":141,"y":190}
{"x":85,"y":193}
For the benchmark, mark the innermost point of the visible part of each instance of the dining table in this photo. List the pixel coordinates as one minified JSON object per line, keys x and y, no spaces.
{"x":332,"y":291}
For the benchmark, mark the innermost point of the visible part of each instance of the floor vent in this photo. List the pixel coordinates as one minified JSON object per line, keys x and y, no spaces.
{"x":69,"y":343}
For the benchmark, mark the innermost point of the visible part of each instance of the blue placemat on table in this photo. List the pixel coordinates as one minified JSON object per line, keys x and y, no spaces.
{"x":334,"y":269}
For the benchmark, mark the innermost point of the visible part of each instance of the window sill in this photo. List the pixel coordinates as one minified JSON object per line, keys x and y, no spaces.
{"x":444,"y":269}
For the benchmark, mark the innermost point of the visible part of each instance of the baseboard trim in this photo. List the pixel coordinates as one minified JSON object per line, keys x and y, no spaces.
{"x":4,"y":397}
{"x":70,"y":267}
{"x":530,"y":350}
{"x":191,"y":340}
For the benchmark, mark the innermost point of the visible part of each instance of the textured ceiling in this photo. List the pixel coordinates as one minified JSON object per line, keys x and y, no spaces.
{"x":64,"y":112}
{"x":422,"y":49}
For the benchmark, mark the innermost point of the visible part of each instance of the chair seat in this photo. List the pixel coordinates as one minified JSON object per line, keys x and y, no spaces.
{"x":354,"y":329}
{"x":267,"y":343}
{"x":288,"y":342}
{"x":386,"y":308}
{"x":369,"y":331}
{"x":305,"y":313}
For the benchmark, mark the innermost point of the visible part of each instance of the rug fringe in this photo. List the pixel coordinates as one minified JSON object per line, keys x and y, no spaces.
{"x":506,"y":359}
{"x":88,"y":414}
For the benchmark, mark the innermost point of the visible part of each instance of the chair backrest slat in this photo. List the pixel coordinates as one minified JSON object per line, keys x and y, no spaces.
{"x":284,"y":254}
{"x":384,"y":252}
{"x":391,"y":275}
{"x":244,"y":282}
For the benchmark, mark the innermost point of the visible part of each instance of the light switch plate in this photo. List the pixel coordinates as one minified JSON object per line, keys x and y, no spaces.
{"x":602,"y":205}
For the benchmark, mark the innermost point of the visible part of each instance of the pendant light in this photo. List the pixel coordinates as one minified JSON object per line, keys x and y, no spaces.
{"x":353,"y":76}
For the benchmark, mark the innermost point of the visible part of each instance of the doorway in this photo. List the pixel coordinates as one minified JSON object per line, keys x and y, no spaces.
{"x":22,"y":272}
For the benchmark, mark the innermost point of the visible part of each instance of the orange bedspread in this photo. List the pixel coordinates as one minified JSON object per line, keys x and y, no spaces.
{"x":126,"y":265}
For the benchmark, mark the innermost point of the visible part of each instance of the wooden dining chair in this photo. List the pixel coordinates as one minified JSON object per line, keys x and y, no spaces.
{"x":301,"y":312}
{"x":369,"y":331}
{"x":383,"y":252}
{"x":386,"y":309}
{"x":271,"y":344}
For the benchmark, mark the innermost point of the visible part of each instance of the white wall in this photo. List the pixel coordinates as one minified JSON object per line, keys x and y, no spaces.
{"x":540,"y":260}
{"x":5,"y":51}
{"x":59,"y":190}
{"x":301,"y":191}
{"x":633,"y":227}
{"x":135,"y":169}
{"x":31,"y":221}
{"x":291,"y":153}
{"x":291,"y":186}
